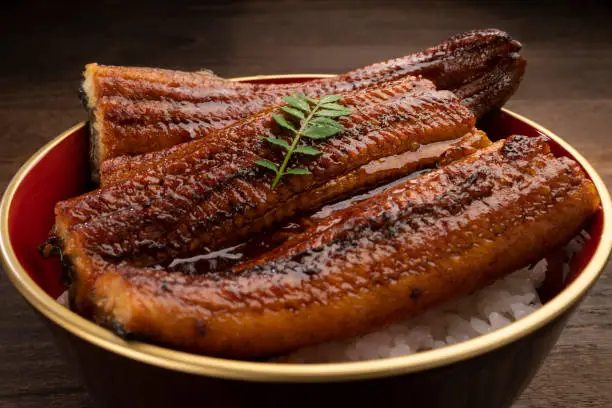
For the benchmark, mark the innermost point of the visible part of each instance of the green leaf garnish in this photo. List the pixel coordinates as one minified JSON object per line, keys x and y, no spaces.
{"x":298,"y":170}
{"x":333,"y":113}
{"x":329,"y":99}
{"x":283,"y":122}
{"x":315,"y":122}
{"x":297,"y":103}
{"x":306,"y":99}
{"x":295,"y":112}
{"x":333,"y":106}
{"x":320,"y":131}
{"x":278,"y":142}
{"x":309,"y":150}
{"x":327,"y":121}
{"x":267,"y":164}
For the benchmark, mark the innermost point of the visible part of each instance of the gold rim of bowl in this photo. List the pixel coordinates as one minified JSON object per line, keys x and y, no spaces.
{"x":282,"y":372}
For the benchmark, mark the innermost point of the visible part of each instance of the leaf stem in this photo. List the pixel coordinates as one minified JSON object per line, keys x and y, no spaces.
{"x":296,"y":139}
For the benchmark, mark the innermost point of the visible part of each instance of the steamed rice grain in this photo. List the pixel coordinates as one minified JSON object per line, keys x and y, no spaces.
{"x":489,"y":309}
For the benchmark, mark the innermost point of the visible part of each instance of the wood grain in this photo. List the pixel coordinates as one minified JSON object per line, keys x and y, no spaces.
{"x":44,"y":47}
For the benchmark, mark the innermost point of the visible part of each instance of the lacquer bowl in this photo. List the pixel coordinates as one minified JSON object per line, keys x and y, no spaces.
{"x":488,"y":371}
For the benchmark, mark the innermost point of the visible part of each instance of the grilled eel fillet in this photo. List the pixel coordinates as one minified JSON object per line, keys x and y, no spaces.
{"x":138,"y":110}
{"x":432,"y":155}
{"x":211,"y":194}
{"x":421,"y":243}
{"x":122,"y":168}
{"x":490,"y":91}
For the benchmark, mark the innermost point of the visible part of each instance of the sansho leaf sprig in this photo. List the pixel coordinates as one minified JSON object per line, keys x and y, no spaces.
{"x":316,"y":122}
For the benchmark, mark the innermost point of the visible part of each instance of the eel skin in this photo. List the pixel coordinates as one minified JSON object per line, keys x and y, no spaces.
{"x":211,"y":194}
{"x":136,"y":110}
{"x":421,"y":243}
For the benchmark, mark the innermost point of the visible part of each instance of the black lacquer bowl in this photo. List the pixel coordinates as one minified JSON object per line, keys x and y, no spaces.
{"x":488,"y":371}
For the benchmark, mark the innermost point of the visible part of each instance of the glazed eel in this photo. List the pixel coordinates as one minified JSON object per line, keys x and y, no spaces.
{"x":135,"y":110}
{"x":423,"y":242}
{"x":404,"y":165}
{"x":211,"y":194}
{"x":487,"y":92}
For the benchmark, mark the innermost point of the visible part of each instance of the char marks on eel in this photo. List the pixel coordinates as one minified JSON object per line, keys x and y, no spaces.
{"x":210,"y":193}
{"x":136,"y":110}
{"x":360,"y":267}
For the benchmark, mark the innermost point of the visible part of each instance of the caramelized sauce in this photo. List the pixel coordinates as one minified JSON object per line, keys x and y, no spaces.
{"x":331,"y":208}
{"x":204,"y":261}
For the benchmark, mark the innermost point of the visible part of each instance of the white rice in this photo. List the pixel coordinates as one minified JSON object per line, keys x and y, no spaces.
{"x":63,"y":299}
{"x":493,"y":307}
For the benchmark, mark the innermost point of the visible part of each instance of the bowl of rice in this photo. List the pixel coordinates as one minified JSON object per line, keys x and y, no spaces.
{"x":478,"y":351}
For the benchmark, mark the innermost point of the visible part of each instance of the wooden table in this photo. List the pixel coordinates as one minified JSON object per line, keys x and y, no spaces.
{"x":43,"y":47}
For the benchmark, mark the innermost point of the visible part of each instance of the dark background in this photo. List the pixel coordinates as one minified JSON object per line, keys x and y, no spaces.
{"x":44,"y":46}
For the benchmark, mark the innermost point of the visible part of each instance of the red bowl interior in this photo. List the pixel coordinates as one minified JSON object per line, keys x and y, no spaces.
{"x":64,"y":172}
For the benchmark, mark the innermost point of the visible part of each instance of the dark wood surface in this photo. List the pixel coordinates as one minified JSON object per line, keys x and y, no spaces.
{"x":43,"y":47}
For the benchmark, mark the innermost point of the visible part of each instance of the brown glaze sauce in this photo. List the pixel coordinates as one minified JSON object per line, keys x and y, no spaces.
{"x":205,"y":261}
{"x":199,"y":197}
